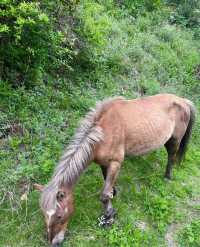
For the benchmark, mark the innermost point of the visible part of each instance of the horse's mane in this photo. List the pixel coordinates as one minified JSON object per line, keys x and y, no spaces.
{"x":77,"y":155}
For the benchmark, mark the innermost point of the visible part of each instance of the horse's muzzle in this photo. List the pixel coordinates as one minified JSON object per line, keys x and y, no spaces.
{"x":55,"y":245}
{"x":58,"y":239}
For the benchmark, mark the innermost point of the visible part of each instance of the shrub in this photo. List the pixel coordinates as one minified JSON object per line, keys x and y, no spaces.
{"x":29,"y":44}
{"x":129,"y":235}
{"x":159,"y":209}
{"x":140,"y":7}
{"x":190,"y":234}
{"x":187,"y":13}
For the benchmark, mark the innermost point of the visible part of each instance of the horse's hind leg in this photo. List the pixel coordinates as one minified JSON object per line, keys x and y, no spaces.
{"x":172,"y":146}
{"x":107,"y":194}
{"x":104,"y":172}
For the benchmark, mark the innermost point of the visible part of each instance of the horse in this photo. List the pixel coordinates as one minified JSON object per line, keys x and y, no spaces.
{"x":115,"y":128}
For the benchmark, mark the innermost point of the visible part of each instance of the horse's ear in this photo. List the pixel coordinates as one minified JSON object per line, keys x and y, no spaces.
{"x":60,"y":195}
{"x":38,"y":187}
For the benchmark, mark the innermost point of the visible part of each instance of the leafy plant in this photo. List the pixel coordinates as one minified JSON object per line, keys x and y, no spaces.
{"x":159,"y":209}
{"x":190,"y":234}
{"x":187,"y":13}
{"x":129,"y":235}
{"x":29,"y":44}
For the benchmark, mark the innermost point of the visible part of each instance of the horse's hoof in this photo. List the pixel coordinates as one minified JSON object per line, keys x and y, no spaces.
{"x":109,"y":222}
{"x":103,"y":222}
{"x":108,"y":218}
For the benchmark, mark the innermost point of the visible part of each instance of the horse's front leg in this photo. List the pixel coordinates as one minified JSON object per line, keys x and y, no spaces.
{"x":107,"y":194}
{"x":104,"y":172}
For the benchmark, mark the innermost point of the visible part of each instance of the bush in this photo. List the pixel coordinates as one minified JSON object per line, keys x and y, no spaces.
{"x":159,"y":208}
{"x":29,"y":44}
{"x":128,"y":235}
{"x":190,"y":234}
{"x":187,"y":13}
{"x":140,"y":7}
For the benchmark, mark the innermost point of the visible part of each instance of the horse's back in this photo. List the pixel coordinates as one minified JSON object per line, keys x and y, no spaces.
{"x":148,"y":124}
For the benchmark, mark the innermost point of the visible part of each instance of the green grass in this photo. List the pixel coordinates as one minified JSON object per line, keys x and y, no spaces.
{"x":125,"y":56}
{"x":190,"y":234}
{"x":143,"y":194}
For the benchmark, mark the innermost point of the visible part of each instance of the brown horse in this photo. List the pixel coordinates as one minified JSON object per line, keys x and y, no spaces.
{"x":116,"y":127}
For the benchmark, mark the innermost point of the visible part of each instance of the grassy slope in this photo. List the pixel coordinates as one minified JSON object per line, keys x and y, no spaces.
{"x":147,"y":54}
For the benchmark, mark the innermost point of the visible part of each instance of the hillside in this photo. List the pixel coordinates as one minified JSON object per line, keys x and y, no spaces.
{"x":57,"y":58}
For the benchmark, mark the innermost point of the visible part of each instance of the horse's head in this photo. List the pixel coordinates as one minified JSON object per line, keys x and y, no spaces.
{"x":57,"y":217}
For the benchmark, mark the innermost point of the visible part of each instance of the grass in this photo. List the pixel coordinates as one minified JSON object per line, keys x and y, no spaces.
{"x":144,"y":197}
{"x":129,"y":57}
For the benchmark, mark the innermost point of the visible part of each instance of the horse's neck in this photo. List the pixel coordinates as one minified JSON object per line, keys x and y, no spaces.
{"x":68,"y":175}
{"x":76,"y":178}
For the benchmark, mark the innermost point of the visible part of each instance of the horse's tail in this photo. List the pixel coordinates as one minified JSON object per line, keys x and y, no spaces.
{"x":186,"y":138}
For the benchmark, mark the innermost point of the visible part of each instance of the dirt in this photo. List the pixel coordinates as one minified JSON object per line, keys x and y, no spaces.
{"x":171,"y":233}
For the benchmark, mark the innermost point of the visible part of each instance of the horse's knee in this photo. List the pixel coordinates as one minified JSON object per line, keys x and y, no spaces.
{"x":105,"y":197}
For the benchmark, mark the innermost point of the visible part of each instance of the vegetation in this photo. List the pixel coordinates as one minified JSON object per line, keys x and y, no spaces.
{"x":57,"y":58}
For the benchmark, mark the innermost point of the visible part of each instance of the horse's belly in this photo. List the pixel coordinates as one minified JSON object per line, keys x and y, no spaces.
{"x":142,"y":142}
{"x":144,"y":149}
